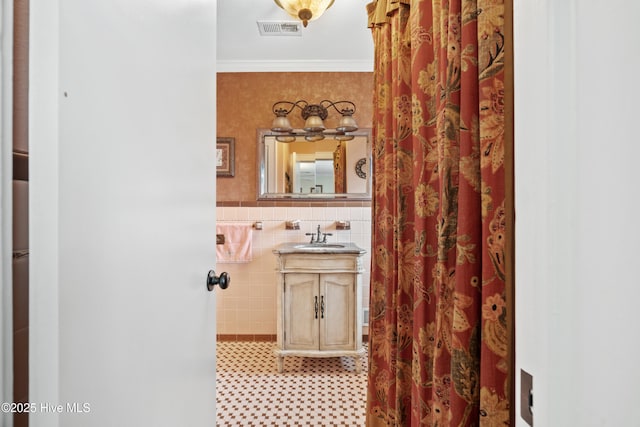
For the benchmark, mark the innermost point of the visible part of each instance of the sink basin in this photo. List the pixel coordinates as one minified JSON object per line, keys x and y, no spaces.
{"x":318,"y":246}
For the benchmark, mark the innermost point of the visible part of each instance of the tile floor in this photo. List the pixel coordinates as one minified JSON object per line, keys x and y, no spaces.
{"x":310,"y":391}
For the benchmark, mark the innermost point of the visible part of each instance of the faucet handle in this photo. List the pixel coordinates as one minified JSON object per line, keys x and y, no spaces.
{"x":313,"y":235}
{"x":324,"y":237}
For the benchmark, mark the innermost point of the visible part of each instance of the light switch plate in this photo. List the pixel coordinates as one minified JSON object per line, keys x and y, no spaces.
{"x":526,"y":397}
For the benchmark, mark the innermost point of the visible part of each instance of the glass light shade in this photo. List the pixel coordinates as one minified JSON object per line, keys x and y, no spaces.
{"x":314,"y":124}
{"x":305,"y":10}
{"x":347,"y":124}
{"x":343,"y":137}
{"x":286,"y":138}
{"x":314,"y":137}
{"x":281,"y":124}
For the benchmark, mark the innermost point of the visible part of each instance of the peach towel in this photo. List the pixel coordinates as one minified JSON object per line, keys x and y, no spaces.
{"x":237,"y":243}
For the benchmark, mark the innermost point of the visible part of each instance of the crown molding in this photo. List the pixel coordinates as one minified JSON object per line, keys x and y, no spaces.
{"x":257,"y":66}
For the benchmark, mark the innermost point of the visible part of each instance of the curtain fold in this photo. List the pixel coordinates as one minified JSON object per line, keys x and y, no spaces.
{"x":438,"y":317}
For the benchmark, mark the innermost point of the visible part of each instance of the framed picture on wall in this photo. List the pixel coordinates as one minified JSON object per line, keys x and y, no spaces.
{"x":225,"y":156}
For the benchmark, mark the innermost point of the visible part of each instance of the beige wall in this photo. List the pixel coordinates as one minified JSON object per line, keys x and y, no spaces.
{"x":244,"y":105}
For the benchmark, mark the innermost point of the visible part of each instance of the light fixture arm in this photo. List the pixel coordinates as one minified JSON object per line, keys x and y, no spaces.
{"x":347,"y":108}
{"x":279,"y":111}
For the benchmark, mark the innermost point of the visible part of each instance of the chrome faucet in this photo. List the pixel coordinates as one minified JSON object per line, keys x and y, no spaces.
{"x":318,"y":237}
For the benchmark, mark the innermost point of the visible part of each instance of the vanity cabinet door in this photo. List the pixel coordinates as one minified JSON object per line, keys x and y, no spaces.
{"x":301,"y":312}
{"x":337,"y":318}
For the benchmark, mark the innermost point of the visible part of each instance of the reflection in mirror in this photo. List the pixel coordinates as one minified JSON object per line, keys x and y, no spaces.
{"x":326,"y":169}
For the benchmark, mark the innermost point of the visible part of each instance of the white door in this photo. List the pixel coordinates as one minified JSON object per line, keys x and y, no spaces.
{"x":122,"y":130}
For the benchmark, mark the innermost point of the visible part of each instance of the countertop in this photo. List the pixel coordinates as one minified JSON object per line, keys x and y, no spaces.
{"x":318,"y":248}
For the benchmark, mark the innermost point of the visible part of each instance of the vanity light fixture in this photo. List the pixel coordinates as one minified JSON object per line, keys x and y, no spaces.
{"x":305,"y":10}
{"x":314,"y":116}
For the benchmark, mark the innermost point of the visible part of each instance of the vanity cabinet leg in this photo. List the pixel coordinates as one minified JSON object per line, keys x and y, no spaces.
{"x":280,"y":364}
{"x":358,"y":363}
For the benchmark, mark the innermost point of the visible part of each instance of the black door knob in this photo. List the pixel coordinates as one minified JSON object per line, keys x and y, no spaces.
{"x":223,"y":280}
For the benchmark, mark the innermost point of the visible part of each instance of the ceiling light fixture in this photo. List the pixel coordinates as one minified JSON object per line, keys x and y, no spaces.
{"x":314,"y":116}
{"x":305,"y":10}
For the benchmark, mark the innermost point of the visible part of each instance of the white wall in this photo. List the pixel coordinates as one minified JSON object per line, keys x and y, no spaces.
{"x":6,"y":144}
{"x":577,"y":230}
{"x":355,"y":184}
{"x":43,"y":202}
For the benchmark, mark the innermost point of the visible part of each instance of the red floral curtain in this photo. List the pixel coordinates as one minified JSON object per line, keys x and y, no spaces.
{"x":438,"y":336}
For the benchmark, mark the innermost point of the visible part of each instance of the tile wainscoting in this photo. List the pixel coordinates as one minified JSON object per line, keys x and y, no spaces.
{"x":248,"y":305}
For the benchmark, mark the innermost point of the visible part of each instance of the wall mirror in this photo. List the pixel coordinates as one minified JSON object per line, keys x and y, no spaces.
{"x":326,"y":169}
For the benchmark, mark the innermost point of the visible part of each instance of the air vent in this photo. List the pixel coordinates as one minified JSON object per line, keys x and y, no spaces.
{"x":280,"y":28}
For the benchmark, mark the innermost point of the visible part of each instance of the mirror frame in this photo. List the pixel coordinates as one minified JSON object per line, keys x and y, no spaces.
{"x":263,"y":195}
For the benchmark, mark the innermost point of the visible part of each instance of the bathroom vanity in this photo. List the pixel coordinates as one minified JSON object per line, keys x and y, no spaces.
{"x":319,"y":301}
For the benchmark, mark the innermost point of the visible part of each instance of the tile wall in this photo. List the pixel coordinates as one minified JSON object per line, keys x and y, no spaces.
{"x":248,"y":306}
